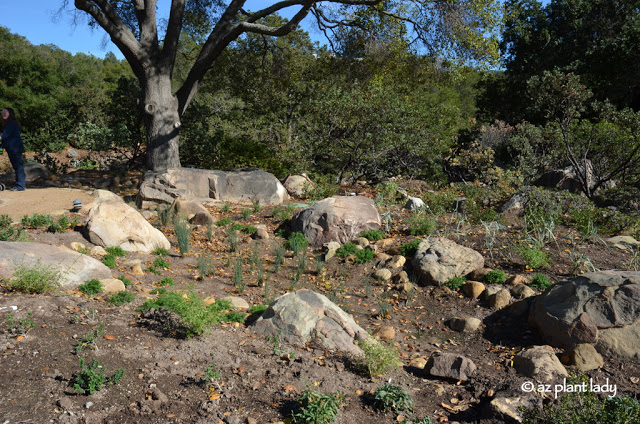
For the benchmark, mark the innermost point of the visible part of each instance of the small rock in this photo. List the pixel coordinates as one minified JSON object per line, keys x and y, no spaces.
{"x":384,"y":243}
{"x":520,"y":291}
{"x":397,"y":261}
{"x":159,"y":396}
{"x":88,"y":405}
{"x":261,"y":234}
{"x":517,"y":279}
{"x":382,"y":274}
{"x":112,"y":285}
{"x":500,"y":299}
{"x":402,"y":277}
{"x":238,"y":302}
{"x":361,"y":241}
{"x":539,"y":362}
{"x":419,"y":363}
{"x":585,"y":357}
{"x":473,"y":289}
{"x":78,"y":247}
{"x":382,"y":257}
{"x":478,"y":274}
{"x":450,"y":365}
{"x":507,"y":408}
{"x":98,"y":251}
{"x":65,"y":403}
{"x":385,"y":332}
{"x":414,"y":203}
{"x":137,"y":269}
{"x":464,"y":324}
{"x":331,"y":247}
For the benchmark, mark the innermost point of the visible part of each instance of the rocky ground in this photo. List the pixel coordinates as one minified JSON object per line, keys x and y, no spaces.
{"x":232,"y":374}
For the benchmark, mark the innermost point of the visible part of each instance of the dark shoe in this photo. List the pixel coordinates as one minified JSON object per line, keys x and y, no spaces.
{"x":16,"y":189}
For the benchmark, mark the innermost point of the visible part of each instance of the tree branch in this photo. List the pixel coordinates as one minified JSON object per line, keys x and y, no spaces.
{"x":174,"y":28}
{"x":146,"y":14}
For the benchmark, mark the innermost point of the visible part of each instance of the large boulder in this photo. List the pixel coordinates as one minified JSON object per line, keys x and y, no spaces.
{"x":338,"y":218}
{"x":438,"y":259}
{"x":302,"y":316}
{"x":245,"y":185}
{"x":32,"y":172}
{"x":192,"y":210}
{"x":114,"y":223}
{"x":74,"y":268}
{"x":601,"y":308}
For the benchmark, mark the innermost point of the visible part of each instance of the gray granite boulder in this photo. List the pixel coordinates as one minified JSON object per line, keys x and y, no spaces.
{"x":450,"y":365}
{"x":338,"y":218}
{"x":437,"y":259}
{"x":539,"y":362}
{"x":601,"y":308}
{"x":246,"y":185}
{"x":74,"y":268}
{"x":303,"y":316}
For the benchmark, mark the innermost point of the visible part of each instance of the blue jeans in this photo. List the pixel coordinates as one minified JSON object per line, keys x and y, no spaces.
{"x":16,"y":162}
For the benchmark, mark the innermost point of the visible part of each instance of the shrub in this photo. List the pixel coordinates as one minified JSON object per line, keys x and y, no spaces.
{"x":540,"y":281}
{"x":392,"y":398}
{"x":364,"y":255}
{"x":410,"y":248}
{"x":297,"y":242}
{"x":347,"y":249}
{"x":40,"y":279}
{"x":183,"y":234}
{"x":317,"y":408}
{"x":91,"y":287}
{"x":373,"y":235}
{"x":378,"y":358}
{"x":121,"y":298}
{"x":455,"y":283}
{"x":161,"y":263}
{"x":495,"y":276}
{"x":109,"y":260}
{"x":7,"y":231}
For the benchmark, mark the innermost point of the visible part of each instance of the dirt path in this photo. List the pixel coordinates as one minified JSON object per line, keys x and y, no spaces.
{"x":49,"y":200}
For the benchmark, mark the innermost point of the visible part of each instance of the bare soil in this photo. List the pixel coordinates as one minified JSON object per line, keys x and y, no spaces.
{"x":260,"y":380}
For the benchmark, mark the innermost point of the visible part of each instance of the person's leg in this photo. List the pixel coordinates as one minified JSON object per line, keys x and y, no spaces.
{"x":16,"y":162}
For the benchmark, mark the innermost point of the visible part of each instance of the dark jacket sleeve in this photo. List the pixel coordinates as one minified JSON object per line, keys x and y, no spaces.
{"x":11,"y":137}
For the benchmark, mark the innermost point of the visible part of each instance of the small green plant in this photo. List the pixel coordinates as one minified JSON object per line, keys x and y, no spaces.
{"x":297,"y":242}
{"x":225,"y":208}
{"x":121,"y":297}
{"x":384,"y":309}
{"x":164,"y":214}
{"x":109,"y":260}
{"x":209,"y":231}
{"x":8,"y":232}
{"x":586,"y":408}
{"x":40,"y":279}
{"x":246,"y":213}
{"x":91,"y":287}
{"x":160,"y":251}
{"x":274,"y":339}
{"x":364,"y":255}
{"x":409,"y":248}
{"x":166,"y":282}
{"x":205,"y":266}
{"x":238,"y":275}
{"x":36,"y":220}
{"x":378,"y":358}
{"x":420,"y":225}
{"x":317,"y":408}
{"x":233,"y":239}
{"x":125,"y":281}
{"x":258,"y":309}
{"x":495,"y":276}
{"x":279,"y":259}
{"x":533,"y":256}
{"x":455,"y":283}
{"x":257,"y":207}
{"x":347,"y":249}
{"x":116,"y":251}
{"x":196,"y":316}
{"x":158,"y":291}
{"x":540,"y":281}
{"x":90,"y":339}
{"x":22,"y":325}
{"x":223,"y":222}
{"x":183,"y":234}
{"x":247,"y":229}
{"x":161,"y":263}
{"x":373,"y":235}
{"x":92,"y":377}
{"x":390,"y":397}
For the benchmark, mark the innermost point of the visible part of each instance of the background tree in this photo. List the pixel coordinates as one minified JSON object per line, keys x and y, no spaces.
{"x":461,"y":30}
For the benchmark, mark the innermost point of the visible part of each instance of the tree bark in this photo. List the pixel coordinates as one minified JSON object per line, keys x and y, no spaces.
{"x":162,"y":122}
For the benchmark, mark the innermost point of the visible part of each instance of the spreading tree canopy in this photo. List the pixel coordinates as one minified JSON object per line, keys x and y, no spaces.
{"x":460,"y":31}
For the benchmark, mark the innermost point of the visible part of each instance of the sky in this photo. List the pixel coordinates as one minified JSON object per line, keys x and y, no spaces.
{"x":37,"y":21}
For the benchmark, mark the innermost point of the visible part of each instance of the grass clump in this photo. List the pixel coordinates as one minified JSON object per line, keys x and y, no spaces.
{"x":39,"y":279}
{"x":533,"y":256}
{"x":317,"y":408}
{"x":586,"y":408}
{"x":246,"y":213}
{"x":420,"y":225}
{"x":455,"y":283}
{"x":373,"y":235}
{"x":247,"y":229}
{"x":495,"y":276}
{"x":166,"y":282}
{"x":378,"y":358}
{"x":183,"y":234}
{"x":125,"y":281}
{"x":160,"y":251}
{"x":409,"y":248}
{"x":92,"y":377}
{"x":297,"y":242}
{"x":205,"y":266}
{"x":91,"y":287}
{"x":540,"y":281}
{"x":196,"y":316}
{"x":224,"y":221}
{"x":389,"y":397}
{"x":121,"y":298}
{"x":109,"y":260}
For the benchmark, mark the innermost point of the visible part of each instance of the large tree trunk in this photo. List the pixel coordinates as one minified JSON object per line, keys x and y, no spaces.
{"x":162,"y":122}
